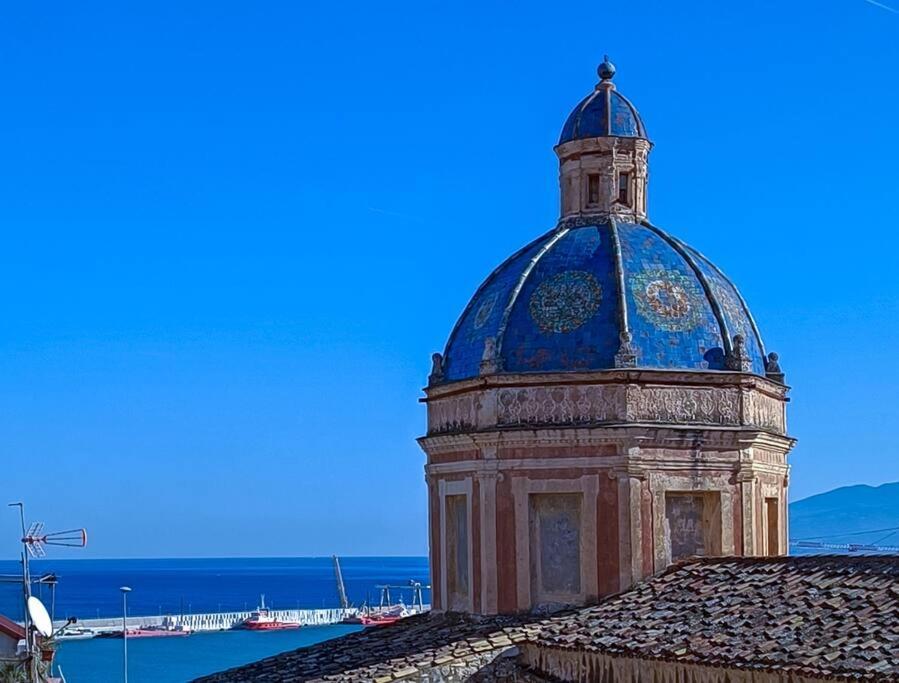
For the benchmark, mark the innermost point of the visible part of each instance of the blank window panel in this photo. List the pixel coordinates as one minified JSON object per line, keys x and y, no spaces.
{"x":693,"y":524}
{"x":457,"y":578}
{"x":555,"y":531}
{"x":773,"y":513}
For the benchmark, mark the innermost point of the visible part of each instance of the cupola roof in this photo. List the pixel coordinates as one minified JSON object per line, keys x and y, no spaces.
{"x":603,"y":113}
{"x":567,"y":300}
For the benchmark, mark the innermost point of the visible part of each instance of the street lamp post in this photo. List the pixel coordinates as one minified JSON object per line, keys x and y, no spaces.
{"x":125,"y":590}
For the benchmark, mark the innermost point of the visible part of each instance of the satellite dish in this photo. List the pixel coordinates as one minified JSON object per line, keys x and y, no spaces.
{"x":39,"y":617}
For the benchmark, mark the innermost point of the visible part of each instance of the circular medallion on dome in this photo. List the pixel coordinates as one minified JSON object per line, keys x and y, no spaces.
{"x":484,"y":311}
{"x":565,"y":301}
{"x":668,"y":299}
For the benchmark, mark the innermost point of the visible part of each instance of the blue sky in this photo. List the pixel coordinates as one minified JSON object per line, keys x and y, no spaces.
{"x":233,"y":233}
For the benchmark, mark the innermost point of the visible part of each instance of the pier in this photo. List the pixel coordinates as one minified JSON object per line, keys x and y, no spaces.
{"x":222,"y":621}
{"x":218,"y":621}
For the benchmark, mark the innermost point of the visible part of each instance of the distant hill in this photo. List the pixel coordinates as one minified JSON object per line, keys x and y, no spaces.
{"x":847,"y":510}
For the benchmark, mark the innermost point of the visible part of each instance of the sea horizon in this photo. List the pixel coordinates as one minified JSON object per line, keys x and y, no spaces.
{"x":88,"y":588}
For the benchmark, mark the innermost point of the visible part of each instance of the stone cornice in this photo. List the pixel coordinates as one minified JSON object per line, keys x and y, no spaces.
{"x":621,"y":466}
{"x":628,"y":376}
{"x":638,"y":436}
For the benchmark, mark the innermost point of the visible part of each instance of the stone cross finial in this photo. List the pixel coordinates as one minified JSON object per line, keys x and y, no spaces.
{"x":436,"y":375}
{"x":489,"y":363}
{"x":772,"y":368}
{"x":738,"y":358}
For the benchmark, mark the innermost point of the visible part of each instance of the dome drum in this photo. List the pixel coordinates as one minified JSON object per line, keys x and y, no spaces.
{"x":676,"y":400}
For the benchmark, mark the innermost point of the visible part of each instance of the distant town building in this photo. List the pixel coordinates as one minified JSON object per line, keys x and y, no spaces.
{"x":605,"y":404}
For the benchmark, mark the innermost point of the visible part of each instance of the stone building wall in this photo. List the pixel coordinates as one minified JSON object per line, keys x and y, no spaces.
{"x":577,"y":486}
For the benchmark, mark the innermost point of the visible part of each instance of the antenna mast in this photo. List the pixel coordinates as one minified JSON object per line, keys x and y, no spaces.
{"x":33,"y":540}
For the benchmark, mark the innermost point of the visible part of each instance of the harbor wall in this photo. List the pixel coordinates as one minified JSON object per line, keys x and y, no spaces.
{"x":220,"y":621}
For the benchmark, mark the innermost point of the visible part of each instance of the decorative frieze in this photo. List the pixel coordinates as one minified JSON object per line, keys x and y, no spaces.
{"x":761,"y":410}
{"x":453,"y":414}
{"x":589,"y":404}
{"x":560,"y":405}
{"x":684,"y":405}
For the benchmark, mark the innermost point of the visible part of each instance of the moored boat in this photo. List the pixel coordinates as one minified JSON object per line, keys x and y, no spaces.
{"x":262,"y":620}
{"x":378,"y":620}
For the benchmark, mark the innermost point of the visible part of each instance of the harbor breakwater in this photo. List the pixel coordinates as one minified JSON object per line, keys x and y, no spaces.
{"x":221,"y":621}
{"x":218,"y":621}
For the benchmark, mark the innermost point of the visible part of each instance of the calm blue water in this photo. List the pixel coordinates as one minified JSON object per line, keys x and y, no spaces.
{"x":174,"y":660}
{"x":88,"y":588}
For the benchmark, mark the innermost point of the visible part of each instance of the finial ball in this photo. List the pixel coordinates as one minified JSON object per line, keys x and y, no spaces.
{"x":606,"y":70}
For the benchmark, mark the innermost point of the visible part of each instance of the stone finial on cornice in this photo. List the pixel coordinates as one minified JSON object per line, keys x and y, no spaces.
{"x":738,"y":359}
{"x":489,"y":361}
{"x":627,"y":354}
{"x":773,"y":370}
{"x":436,"y":376}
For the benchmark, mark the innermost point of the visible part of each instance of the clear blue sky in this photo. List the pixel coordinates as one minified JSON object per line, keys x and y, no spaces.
{"x":234,"y":232}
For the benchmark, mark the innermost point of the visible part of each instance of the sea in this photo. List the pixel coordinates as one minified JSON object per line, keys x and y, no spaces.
{"x":90,"y":589}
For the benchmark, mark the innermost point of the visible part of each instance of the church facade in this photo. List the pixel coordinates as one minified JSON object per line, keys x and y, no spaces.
{"x":605,"y":404}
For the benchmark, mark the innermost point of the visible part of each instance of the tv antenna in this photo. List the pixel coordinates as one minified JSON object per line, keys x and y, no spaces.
{"x":37,"y":621}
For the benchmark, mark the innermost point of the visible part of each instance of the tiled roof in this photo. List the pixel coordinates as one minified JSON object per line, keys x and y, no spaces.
{"x":556,"y":305}
{"x":11,"y":628}
{"x":833,"y":617}
{"x":815,"y":616}
{"x":389,"y":652}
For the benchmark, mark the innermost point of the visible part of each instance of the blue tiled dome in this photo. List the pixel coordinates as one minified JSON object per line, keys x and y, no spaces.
{"x":605,"y":112}
{"x":561,"y":303}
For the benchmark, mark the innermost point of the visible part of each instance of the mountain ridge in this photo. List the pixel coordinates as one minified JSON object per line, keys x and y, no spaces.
{"x":859,"y":512}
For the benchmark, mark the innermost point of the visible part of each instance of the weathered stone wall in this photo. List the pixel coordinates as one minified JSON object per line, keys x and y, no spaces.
{"x":625,"y":444}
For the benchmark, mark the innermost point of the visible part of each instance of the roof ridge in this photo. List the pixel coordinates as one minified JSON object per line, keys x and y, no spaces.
{"x":513,"y":297}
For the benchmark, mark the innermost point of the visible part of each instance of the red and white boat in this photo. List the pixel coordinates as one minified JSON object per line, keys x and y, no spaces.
{"x":378,"y":620}
{"x":262,"y":620}
{"x":155,"y":632}
{"x":384,"y":616}
{"x":167,"y":628}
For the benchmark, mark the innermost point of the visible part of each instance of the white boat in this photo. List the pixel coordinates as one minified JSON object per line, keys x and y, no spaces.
{"x":76,"y":633}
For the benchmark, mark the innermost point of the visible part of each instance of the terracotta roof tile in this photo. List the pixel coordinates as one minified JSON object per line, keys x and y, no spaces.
{"x":816,"y":615}
{"x":835,"y":617}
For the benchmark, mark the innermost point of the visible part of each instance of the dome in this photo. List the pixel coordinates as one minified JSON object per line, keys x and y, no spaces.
{"x":562,"y":303}
{"x":605,"y":112}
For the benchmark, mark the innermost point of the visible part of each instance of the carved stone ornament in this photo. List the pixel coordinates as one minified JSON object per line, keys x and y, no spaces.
{"x":436,"y":375}
{"x":489,"y":364}
{"x":561,"y":405}
{"x":456,"y":414}
{"x":738,"y":359}
{"x":684,"y":405}
{"x":627,"y":354}
{"x":772,"y":368}
{"x":761,"y":410}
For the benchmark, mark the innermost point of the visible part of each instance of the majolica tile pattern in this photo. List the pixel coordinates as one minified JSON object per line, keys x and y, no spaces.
{"x":603,"y":112}
{"x":834,"y":618}
{"x":555,"y":306}
{"x":829,"y":617}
